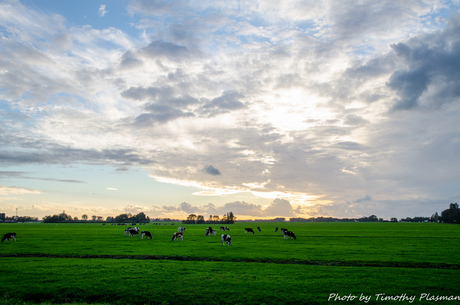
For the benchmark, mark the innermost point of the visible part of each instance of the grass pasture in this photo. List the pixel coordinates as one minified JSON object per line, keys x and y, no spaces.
{"x":91,"y":263}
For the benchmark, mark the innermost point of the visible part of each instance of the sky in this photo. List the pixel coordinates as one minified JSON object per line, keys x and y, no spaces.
{"x":263,"y":108}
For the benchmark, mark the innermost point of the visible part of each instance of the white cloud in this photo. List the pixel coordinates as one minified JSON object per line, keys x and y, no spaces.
{"x":298,"y":101}
{"x":102,"y":10}
{"x":5,"y":190}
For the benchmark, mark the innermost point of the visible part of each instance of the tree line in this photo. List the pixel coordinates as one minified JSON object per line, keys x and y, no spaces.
{"x":122,"y":218}
{"x":450,"y":215}
{"x":228,"y":218}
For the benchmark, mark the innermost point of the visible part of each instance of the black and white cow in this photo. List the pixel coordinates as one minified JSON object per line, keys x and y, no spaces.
{"x":178,"y":235}
{"x":146,"y":234}
{"x":132,"y":231}
{"x":282,"y":230}
{"x":276,"y":229}
{"x":181,"y":229}
{"x":289,"y":234}
{"x":210,"y":231}
{"x":248,"y":230}
{"x":258,"y":229}
{"x":9,"y":236}
{"x":226,"y":239}
{"x":224,"y":228}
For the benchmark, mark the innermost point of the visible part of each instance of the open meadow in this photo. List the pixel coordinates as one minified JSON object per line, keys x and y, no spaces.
{"x":328,"y":263}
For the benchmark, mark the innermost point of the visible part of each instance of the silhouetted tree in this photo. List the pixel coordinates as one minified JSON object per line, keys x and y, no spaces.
{"x":123,"y":217}
{"x":63,"y":217}
{"x":452,"y":214}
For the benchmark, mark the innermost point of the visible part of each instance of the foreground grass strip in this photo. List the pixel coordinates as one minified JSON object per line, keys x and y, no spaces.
{"x":124,"y":281}
{"x":248,"y":260}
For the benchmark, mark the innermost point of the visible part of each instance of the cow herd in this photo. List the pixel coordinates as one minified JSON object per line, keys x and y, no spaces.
{"x":133,"y":231}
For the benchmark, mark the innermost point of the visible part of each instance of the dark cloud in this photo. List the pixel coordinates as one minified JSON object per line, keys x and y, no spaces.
{"x":363,"y":199}
{"x":160,"y":114}
{"x":227,"y":102}
{"x":355,"y":120}
{"x":167,"y":50}
{"x":130,"y":61}
{"x":140,"y":93}
{"x":349,"y":145}
{"x":212,"y":170}
{"x":187,"y":207}
{"x":432,"y":76}
{"x":58,"y":154}
{"x":353,"y":20}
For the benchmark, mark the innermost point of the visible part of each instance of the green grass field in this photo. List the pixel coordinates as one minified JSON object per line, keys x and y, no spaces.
{"x":91,"y":263}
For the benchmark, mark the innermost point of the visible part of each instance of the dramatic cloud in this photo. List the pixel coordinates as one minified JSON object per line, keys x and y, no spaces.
{"x":296,"y":108}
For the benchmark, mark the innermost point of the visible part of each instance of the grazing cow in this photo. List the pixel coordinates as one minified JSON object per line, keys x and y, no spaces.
{"x":282,"y":230}
{"x":146,"y":234}
{"x":258,"y":229}
{"x":226,"y":239}
{"x":181,"y":229}
{"x":222,"y":228}
{"x":132,"y":231}
{"x":289,"y":234}
{"x":248,"y":230}
{"x":210,"y":231}
{"x":9,"y":236}
{"x":178,"y":235}
{"x":276,"y":229}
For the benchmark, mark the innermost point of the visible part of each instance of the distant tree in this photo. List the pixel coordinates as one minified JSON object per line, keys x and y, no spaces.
{"x":191,"y":219}
{"x":200,"y":219}
{"x":215,"y":218}
{"x":84,"y":217}
{"x":27,"y":219}
{"x":63,"y":217}
{"x":94,"y":217}
{"x":123,"y":217}
{"x":100,"y":218}
{"x":452,"y":214}
{"x":231,"y":217}
{"x":75,"y":218}
{"x":141,"y":217}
